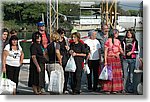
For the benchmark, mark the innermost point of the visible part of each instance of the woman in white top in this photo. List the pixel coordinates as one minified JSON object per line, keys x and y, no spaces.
{"x":12,"y":59}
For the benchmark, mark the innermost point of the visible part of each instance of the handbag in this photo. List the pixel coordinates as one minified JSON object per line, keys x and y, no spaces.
{"x":70,"y":66}
{"x":7,"y":87}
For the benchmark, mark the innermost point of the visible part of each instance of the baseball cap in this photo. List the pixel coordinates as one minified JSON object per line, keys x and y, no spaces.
{"x":40,"y":23}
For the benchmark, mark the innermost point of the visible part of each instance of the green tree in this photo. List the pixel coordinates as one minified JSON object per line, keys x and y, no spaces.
{"x":24,"y":12}
{"x":133,"y":12}
{"x":31,"y":12}
{"x":69,"y":9}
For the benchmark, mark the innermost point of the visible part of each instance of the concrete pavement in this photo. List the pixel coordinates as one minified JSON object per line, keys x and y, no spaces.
{"x":23,"y":88}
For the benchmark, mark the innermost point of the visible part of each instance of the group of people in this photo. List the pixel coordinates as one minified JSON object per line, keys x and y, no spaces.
{"x":99,"y":50}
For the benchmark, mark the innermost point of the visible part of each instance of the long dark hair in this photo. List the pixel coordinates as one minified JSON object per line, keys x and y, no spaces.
{"x":35,"y":36}
{"x":61,"y":31}
{"x":13,"y":31}
{"x":13,"y":37}
{"x":114,"y":31}
{"x":133,"y":34}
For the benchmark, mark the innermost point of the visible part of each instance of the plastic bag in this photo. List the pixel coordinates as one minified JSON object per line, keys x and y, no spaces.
{"x":86,"y":68}
{"x":55,"y":82}
{"x":106,"y":73}
{"x":7,"y":87}
{"x":70,"y":66}
{"x":46,"y":77}
{"x":109,"y":70}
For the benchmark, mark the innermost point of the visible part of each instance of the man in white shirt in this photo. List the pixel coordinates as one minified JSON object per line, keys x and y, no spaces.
{"x":94,"y":59}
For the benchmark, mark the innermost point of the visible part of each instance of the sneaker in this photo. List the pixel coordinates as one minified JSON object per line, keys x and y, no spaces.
{"x":80,"y":91}
{"x":42,"y":90}
{"x":66,"y":92}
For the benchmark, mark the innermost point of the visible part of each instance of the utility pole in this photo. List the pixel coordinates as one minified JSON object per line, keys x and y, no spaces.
{"x":102,"y":11}
{"x":42,"y":17}
{"x":115,"y":15}
{"x":57,"y":14}
{"x":106,"y":12}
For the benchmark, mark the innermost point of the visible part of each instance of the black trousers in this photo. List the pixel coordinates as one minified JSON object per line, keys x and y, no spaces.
{"x":93,"y":65}
{"x":66,"y":76}
{"x":76,"y":78}
{"x":13,"y":73}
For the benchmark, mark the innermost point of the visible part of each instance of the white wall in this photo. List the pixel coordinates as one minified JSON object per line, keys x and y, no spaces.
{"x":125,"y":21}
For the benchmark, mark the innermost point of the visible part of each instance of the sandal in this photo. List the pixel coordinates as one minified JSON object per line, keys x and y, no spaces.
{"x":114,"y":92}
{"x":107,"y":92}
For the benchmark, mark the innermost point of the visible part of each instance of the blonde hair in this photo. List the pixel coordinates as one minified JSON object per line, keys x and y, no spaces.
{"x":54,"y":37}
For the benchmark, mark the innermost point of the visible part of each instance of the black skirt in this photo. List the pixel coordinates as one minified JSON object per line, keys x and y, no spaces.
{"x":36,"y":78}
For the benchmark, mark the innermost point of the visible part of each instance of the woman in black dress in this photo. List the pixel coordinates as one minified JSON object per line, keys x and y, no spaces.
{"x":37,"y":64}
{"x":77,"y":50}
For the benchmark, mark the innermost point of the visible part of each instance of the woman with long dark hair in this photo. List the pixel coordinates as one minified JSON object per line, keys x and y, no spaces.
{"x":111,"y":55}
{"x":12,"y":59}
{"x":130,"y":47}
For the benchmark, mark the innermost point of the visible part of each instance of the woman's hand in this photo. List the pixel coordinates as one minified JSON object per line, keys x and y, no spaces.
{"x":4,"y":70}
{"x":71,"y":52}
{"x":74,"y":54}
{"x":117,"y":56}
{"x":38,"y":69}
{"x":67,"y":48}
{"x":105,"y":64}
{"x":129,"y":53}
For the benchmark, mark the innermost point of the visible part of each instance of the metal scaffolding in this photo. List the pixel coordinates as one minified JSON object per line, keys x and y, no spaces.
{"x":109,"y":13}
{"x":52,"y":15}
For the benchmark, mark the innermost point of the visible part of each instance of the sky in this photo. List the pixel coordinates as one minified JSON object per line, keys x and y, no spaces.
{"x":134,"y":5}
{"x":126,"y":4}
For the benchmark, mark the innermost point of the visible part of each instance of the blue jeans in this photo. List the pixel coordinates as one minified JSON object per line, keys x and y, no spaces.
{"x":128,"y":71}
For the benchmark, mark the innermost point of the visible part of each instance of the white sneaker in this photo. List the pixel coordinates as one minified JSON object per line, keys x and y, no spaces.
{"x":66,"y":92}
{"x":43,"y":90}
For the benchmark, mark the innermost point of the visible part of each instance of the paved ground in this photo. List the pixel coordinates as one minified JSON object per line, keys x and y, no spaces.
{"x":23,"y":88}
